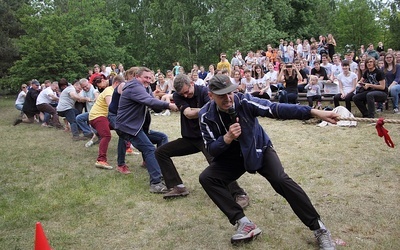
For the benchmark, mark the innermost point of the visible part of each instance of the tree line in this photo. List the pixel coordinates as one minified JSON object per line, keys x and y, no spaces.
{"x":63,"y":38}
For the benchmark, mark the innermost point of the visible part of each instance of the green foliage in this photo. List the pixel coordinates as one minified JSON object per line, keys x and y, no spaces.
{"x":62,"y":38}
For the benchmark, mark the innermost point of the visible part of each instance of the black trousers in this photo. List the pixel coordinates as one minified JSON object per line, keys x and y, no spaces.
{"x":182,"y":147}
{"x":217,"y":175}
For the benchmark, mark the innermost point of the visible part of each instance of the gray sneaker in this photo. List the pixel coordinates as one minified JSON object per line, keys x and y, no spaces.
{"x":158,"y":188}
{"x":245,"y":232}
{"x":396,"y":110}
{"x":324,"y":239}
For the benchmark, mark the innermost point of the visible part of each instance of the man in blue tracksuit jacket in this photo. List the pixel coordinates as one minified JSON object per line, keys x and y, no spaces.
{"x":238,"y":143}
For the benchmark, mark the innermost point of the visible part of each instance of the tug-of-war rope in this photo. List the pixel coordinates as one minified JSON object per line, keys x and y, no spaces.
{"x":382,"y":132}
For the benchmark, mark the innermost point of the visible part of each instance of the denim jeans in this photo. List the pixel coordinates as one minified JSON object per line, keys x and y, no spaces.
{"x":121,"y":147}
{"x":144,"y":145}
{"x":394,"y":92}
{"x":82,"y":121}
{"x":71,"y":114}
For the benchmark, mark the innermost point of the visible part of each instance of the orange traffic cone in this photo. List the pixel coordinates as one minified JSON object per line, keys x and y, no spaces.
{"x":41,"y":242}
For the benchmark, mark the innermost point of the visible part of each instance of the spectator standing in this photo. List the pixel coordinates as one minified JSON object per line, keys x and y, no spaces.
{"x":380,"y":47}
{"x":224,"y":63}
{"x":371,"y":52}
{"x":203,"y":73}
{"x":331,"y":44}
{"x":238,"y":143}
{"x":210,"y":74}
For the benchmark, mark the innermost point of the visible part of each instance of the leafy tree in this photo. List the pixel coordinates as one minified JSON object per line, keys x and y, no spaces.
{"x":10,"y":30}
{"x":354,"y":23}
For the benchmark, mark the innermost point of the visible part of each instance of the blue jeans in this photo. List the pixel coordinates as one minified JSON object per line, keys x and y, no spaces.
{"x":394,"y":92}
{"x":71,"y":114}
{"x":121,"y":148}
{"x":144,"y":145}
{"x":82,"y":121}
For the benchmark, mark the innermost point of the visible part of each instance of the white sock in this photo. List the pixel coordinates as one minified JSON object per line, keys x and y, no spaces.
{"x":321,"y":225}
{"x":244,"y":219}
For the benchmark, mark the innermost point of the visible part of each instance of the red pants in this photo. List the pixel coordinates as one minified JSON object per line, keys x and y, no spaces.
{"x":102,"y":127}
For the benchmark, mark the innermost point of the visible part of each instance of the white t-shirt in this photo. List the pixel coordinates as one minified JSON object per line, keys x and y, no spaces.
{"x":353,"y":67}
{"x":20,"y":98}
{"x":249,"y":84}
{"x":336,"y":70}
{"x":328,"y":68}
{"x":347,"y":81}
{"x":200,"y":82}
{"x":44,"y":96}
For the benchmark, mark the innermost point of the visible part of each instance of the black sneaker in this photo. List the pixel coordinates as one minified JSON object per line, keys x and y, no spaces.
{"x":245,"y":232}
{"x":17,"y":121}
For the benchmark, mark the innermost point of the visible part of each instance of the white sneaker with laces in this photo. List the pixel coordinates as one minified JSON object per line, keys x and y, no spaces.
{"x":166,"y":113}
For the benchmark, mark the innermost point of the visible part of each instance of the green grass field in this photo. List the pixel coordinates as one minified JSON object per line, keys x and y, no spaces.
{"x":350,"y":174}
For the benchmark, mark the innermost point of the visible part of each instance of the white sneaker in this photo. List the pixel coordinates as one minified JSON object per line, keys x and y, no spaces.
{"x":166,"y":113}
{"x":396,"y":110}
{"x":89,"y":143}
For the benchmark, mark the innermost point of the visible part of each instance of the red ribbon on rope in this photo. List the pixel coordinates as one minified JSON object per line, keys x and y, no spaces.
{"x":383,"y":132}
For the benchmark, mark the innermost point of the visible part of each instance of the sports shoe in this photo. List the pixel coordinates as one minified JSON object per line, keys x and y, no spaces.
{"x":124,"y":169}
{"x":243,"y":200}
{"x":396,"y":110}
{"x":176,"y":192}
{"x":17,"y":121}
{"x":166,"y":113}
{"x":89,"y":143}
{"x":245,"y":232}
{"x":324,"y":239}
{"x":103,"y":165}
{"x":158,"y":188}
{"x":378,"y":110}
{"x":143,"y":165}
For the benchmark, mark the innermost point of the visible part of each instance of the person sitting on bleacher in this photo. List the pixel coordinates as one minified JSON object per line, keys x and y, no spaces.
{"x":320,"y":72}
{"x":314,"y":93}
{"x":288,"y":79}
